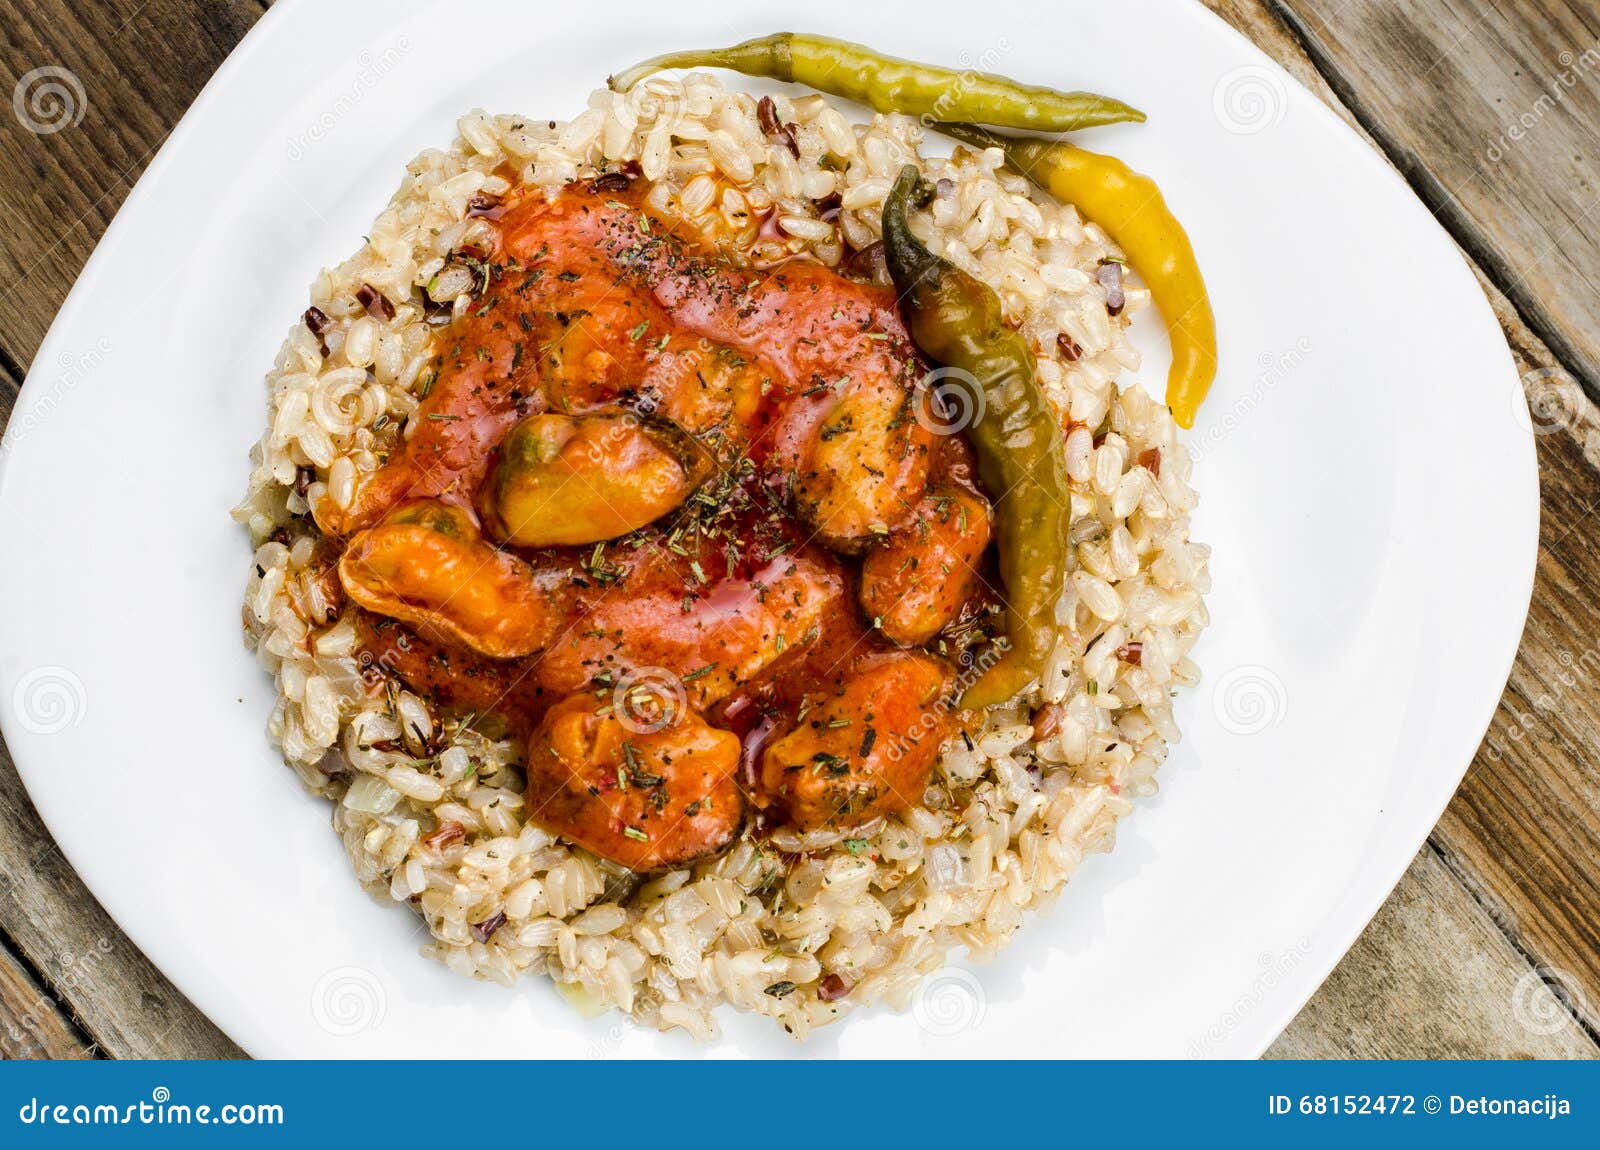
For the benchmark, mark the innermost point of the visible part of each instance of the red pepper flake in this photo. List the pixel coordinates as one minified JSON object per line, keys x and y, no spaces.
{"x":1110,"y":277}
{"x":446,"y":833}
{"x":318,"y":323}
{"x":1131,"y":653}
{"x":1047,"y":721}
{"x":1150,"y":460}
{"x":767,"y":116}
{"x":484,"y":931}
{"x":869,"y":264}
{"x":1070,"y":351}
{"x":375,"y":302}
{"x":832,"y":988}
{"x":482,"y":203}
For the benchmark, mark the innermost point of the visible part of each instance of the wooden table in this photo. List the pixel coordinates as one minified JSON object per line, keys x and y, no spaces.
{"x":1489,"y":946}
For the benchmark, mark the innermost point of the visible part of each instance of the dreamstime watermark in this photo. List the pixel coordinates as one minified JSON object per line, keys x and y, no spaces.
{"x":1547,"y":400}
{"x":373,"y":67}
{"x":1272,"y":970}
{"x":648,"y":699}
{"x":1249,"y":699}
{"x":972,"y":69}
{"x":72,"y":971}
{"x":348,"y":1000}
{"x":1272,"y":368}
{"x":1576,"y":671}
{"x":159,"y":1110}
{"x":609,"y":1044}
{"x":74,"y":369}
{"x":950,"y":1002}
{"x":659,"y":102}
{"x":1249,"y":99}
{"x":75,"y":970}
{"x":1542,"y":998}
{"x":48,"y":700}
{"x":1573,"y":69}
{"x":932,"y":718}
{"x":949,"y":410}
{"x":48,"y":99}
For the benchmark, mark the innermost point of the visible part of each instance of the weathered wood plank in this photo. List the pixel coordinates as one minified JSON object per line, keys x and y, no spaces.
{"x":32,"y":1024}
{"x":1432,"y":977}
{"x":138,"y":65}
{"x":131,"y":70}
{"x":120,"y":1000}
{"x":1492,"y":110}
{"x":1522,"y":832}
{"x":133,"y":1011}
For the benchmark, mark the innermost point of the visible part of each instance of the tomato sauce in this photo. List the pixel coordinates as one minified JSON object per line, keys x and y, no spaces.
{"x":592,"y":303}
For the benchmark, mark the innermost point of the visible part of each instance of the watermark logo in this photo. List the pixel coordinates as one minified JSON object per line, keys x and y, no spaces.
{"x":348,"y":1000}
{"x":949,"y":1003}
{"x":47,"y":700}
{"x":662,"y":104}
{"x":1249,"y":699}
{"x":973,"y":70}
{"x":372,"y":67}
{"x":1547,"y":400}
{"x":648,"y":699}
{"x":49,"y":99}
{"x":1272,"y":970}
{"x":1542,"y":998}
{"x":1574,"y":67}
{"x":1576,"y":671}
{"x":949,"y":410}
{"x":972,"y":669}
{"x":74,"y":369}
{"x":1249,"y":99}
{"x":1272,"y":369}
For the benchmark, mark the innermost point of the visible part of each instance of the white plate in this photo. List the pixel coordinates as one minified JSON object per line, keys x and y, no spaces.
{"x":1367,"y":480}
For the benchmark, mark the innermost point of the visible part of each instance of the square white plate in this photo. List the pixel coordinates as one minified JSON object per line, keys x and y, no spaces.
{"x":1367,"y":481}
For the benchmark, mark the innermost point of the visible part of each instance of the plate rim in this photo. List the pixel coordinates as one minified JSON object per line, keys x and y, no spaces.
{"x":1341,"y":934}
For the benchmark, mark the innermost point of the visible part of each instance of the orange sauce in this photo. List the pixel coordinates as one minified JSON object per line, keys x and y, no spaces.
{"x":590,"y":303}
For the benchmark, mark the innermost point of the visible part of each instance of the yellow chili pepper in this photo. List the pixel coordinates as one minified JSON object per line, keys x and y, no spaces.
{"x":1130,"y":208}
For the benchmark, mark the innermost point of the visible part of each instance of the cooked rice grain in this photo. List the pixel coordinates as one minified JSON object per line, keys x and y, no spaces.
{"x":1007,"y":817}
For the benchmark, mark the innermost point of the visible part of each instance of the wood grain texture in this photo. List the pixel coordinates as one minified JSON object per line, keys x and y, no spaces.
{"x":1506,"y":892}
{"x":120,"y":1000}
{"x":1399,"y":991}
{"x":32,"y":1023}
{"x":1491,"y":108}
{"x":1522,"y":832}
{"x":137,"y":66}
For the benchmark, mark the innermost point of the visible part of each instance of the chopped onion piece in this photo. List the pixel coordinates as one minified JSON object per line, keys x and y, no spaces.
{"x":371,"y":795}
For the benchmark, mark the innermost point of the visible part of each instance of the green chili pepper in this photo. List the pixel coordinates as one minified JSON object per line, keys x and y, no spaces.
{"x":886,"y":84}
{"x":956,"y":321}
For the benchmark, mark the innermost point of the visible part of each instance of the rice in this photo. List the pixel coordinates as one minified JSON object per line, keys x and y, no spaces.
{"x":1009,"y":813}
